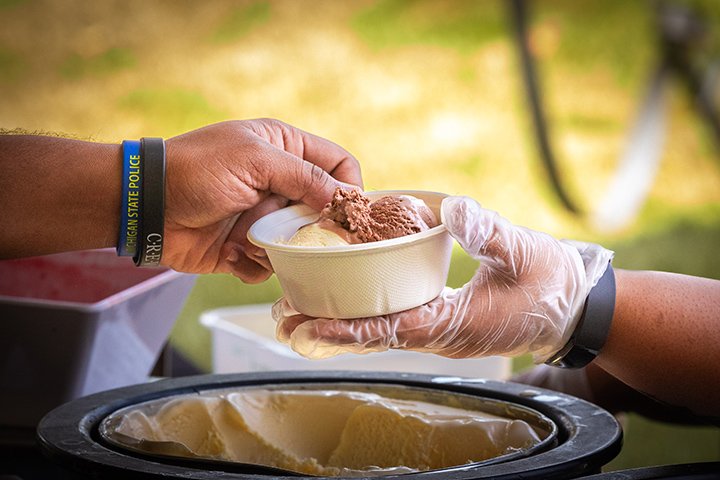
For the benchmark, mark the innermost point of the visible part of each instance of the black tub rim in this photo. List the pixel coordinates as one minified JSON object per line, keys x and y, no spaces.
{"x":589,"y":436}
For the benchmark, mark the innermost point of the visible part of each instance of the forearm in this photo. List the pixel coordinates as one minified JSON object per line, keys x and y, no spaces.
{"x":664,"y":338}
{"x":57,"y":195}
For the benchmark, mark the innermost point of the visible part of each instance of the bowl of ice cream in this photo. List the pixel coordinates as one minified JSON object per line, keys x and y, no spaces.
{"x":363,"y":255}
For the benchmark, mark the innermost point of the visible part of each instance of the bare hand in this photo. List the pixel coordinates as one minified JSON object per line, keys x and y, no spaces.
{"x":223,"y":177}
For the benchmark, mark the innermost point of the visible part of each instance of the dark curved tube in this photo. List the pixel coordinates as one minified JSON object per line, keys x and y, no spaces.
{"x":519,"y":15}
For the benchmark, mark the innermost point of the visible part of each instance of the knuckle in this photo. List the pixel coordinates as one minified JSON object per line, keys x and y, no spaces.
{"x":256,"y":156}
{"x":352,"y":162}
{"x":313,"y":177}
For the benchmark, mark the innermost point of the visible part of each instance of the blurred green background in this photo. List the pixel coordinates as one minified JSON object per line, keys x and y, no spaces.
{"x":425,"y":93}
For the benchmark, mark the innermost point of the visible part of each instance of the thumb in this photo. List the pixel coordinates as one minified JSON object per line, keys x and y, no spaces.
{"x":481,"y":233}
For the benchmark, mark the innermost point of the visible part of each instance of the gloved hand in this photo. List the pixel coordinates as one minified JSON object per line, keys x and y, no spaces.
{"x":526,"y":297}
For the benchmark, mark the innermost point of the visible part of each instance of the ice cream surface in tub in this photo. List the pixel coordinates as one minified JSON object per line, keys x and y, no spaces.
{"x":327,"y":432}
{"x":352,"y":218}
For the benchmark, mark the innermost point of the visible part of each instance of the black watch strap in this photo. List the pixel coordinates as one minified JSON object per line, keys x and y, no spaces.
{"x":593,"y":327}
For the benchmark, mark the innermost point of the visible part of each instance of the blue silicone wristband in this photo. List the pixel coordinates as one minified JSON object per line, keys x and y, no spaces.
{"x":131,"y":200}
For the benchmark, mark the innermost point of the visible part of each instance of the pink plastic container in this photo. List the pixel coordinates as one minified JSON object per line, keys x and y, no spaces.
{"x":76,"y":323}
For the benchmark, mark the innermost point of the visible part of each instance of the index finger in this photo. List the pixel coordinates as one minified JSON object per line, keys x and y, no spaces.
{"x":329,"y":156}
{"x":332,"y":158}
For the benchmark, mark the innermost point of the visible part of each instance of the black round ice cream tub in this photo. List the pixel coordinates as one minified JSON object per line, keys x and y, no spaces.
{"x":585,"y":437}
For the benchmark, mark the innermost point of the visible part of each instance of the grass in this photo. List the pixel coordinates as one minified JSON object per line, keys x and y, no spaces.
{"x":11,"y":66}
{"x":241,"y":20}
{"x":613,"y":32}
{"x":458,"y":24}
{"x":108,"y":62}
{"x":176,"y":109}
{"x":10,"y":3}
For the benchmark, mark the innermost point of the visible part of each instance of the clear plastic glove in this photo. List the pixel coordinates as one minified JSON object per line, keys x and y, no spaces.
{"x":525,"y":297}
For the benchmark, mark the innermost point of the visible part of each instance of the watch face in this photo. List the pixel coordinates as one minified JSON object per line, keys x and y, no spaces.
{"x":558,"y":360}
{"x":577,"y":357}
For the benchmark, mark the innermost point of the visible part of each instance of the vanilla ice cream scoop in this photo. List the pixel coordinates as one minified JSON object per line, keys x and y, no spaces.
{"x":314,"y":235}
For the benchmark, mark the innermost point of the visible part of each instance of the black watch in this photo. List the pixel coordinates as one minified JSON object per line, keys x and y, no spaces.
{"x":593,"y":327}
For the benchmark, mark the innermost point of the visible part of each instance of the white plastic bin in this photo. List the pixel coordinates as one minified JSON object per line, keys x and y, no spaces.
{"x":243,"y":340}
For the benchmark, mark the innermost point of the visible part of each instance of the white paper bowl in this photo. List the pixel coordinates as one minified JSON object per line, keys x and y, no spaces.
{"x":352,"y":281}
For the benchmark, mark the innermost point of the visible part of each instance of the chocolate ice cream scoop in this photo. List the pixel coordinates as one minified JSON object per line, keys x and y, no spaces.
{"x":354,"y":218}
{"x":392,"y":217}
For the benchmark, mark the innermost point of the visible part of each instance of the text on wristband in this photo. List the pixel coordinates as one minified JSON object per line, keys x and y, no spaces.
{"x":133,"y":202}
{"x":153,"y":248}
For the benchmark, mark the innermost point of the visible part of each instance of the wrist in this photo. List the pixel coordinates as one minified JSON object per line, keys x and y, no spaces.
{"x":92,"y":198}
{"x":98,"y":194}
